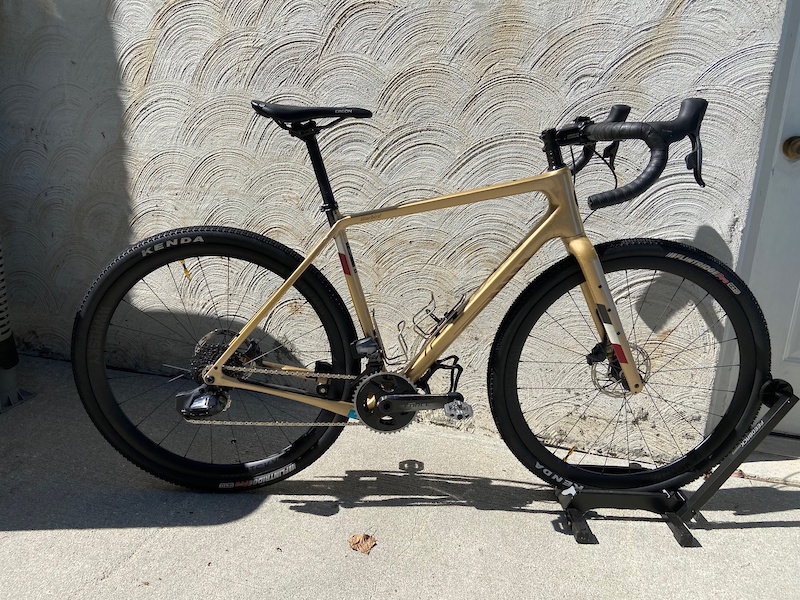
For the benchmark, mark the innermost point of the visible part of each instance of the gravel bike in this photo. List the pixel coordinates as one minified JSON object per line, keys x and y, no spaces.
{"x":219,"y":359}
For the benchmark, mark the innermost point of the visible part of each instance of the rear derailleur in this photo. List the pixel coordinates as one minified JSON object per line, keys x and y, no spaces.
{"x":203,"y":401}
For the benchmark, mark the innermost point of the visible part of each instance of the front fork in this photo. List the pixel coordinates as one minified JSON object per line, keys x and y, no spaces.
{"x":604,"y":312}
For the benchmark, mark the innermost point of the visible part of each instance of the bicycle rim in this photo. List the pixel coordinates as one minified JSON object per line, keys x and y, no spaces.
{"x":575,"y":422}
{"x":159,"y":319}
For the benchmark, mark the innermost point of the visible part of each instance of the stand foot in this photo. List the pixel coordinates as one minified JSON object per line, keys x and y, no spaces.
{"x":676,"y":509}
{"x":579,"y":526}
{"x":681,"y":532}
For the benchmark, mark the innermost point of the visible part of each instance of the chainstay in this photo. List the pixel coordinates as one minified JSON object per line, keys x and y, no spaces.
{"x":263,"y":371}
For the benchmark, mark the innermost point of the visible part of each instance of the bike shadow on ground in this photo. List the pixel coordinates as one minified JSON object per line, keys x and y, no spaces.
{"x":326,"y":497}
{"x":57,"y":472}
{"x":410,"y":486}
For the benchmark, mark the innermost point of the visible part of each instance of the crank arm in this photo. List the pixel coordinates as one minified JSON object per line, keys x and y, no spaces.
{"x":394,"y":404}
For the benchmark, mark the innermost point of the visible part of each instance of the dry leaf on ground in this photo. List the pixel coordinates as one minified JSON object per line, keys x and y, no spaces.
{"x":363,"y":542}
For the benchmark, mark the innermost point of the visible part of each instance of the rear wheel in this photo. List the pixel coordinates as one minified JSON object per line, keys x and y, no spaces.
{"x":167,"y":308}
{"x":701,"y":346}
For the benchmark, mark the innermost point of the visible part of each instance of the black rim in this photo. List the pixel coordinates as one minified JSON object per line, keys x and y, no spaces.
{"x":145,"y":419}
{"x":590,"y":466}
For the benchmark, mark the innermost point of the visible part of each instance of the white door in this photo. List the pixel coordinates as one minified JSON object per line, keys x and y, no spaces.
{"x":773,"y":256}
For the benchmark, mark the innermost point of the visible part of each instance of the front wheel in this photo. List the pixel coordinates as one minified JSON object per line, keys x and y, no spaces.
{"x":166,"y":309}
{"x":701,"y":346}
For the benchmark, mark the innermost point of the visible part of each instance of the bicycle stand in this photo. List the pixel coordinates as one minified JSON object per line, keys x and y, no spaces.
{"x":676,"y":506}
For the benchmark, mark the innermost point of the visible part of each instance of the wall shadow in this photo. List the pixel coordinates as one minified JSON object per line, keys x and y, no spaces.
{"x":63,"y":181}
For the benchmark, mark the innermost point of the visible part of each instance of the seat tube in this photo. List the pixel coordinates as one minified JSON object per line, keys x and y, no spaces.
{"x":354,"y":287}
{"x":331,"y":210}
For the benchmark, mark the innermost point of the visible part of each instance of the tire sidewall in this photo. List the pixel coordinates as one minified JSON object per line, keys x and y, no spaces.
{"x":712,"y":276}
{"x":97,"y":310}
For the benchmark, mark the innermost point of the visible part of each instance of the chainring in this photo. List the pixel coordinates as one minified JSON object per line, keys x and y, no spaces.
{"x":368,"y":393}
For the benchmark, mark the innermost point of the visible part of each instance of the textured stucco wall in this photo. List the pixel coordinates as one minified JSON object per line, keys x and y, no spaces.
{"x":121,"y":118}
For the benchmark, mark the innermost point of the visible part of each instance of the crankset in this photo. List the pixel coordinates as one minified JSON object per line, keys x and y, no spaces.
{"x":387,"y":402}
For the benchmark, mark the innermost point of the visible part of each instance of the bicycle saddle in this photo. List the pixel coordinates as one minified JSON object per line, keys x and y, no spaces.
{"x":295,"y":114}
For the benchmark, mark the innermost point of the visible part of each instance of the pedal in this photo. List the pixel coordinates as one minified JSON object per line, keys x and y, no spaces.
{"x":458,"y":410}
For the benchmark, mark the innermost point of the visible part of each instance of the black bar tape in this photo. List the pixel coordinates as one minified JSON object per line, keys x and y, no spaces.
{"x":658,"y":160}
{"x":659,"y":153}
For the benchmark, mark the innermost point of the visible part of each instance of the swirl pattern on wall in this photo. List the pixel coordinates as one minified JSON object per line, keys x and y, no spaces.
{"x":122,"y":118}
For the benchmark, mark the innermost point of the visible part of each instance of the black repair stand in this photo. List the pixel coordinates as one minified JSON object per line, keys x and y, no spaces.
{"x":676,"y":506}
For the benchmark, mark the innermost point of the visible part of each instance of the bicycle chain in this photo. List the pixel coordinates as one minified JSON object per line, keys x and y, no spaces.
{"x":273,"y":423}
{"x":301,"y":374}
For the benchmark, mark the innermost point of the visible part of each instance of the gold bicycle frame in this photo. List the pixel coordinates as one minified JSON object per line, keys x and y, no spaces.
{"x":561,"y":220}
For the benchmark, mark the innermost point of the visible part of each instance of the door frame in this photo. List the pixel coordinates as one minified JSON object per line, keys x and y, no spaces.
{"x":771,"y":140}
{"x":768,"y":151}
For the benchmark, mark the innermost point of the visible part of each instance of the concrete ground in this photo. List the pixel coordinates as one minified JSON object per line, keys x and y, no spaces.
{"x":78,"y":521}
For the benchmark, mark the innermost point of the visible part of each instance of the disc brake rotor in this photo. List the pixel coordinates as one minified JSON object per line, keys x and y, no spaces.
{"x":608,"y":378}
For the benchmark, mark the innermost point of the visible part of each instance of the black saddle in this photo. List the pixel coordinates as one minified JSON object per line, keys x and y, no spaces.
{"x":284,"y":113}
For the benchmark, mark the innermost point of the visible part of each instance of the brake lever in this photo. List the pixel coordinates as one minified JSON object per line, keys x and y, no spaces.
{"x":610,"y":153}
{"x":617,"y":114}
{"x":694,"y":160}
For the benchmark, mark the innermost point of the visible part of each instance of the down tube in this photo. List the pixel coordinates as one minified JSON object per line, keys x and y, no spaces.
{"x":549,"y":227}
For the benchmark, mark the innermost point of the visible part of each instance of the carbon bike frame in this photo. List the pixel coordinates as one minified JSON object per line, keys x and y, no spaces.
{"x":561,"y":220}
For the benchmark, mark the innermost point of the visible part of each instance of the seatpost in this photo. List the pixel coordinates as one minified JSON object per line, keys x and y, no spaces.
{"x":308,"y":133}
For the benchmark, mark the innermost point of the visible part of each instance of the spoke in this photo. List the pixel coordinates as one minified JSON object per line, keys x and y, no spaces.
{"x":242,"y":295}
{"x":692,"y":369}
{"x":564,"y":329}
{"x":260,"y":398}
{"x":634,"y":316}
{"x":667,"y":306}
{"x":644,"y":300}
{"x":542,"y":362}
{"x":170,"y":340}
{"x":575,"y":423}
{"x":691,"y":387}
{"x":169,"y":433}
{"x":211,"y":295}
{"x":677,"y":412}
{"x":675,"y":402}
{"x":286,"y":343}
{"x":641,"y":434}
{"x":700,"y":347}
{"x":168,"y":309}
{"x":686,"y":316}
{"x":180,"y":296}
{"x":599,"y":435}
{"x":582,"y":313}
{"x":143,"y":392}
{"x":255,"y":429}
{"x":197,"y":429}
